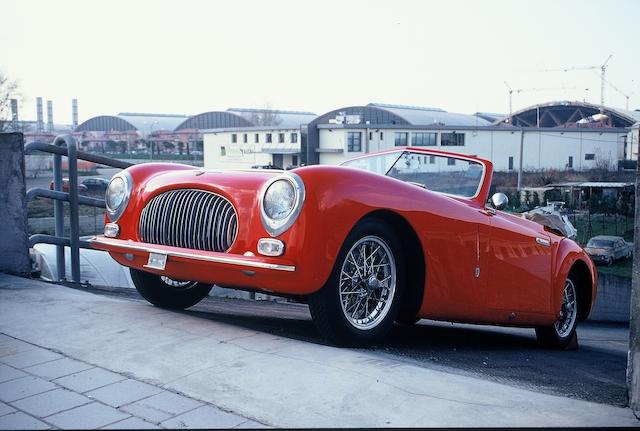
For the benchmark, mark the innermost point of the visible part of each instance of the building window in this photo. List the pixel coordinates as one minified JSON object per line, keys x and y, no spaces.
{"x":432,"y":160}
{"x":452,"y":139}
{"x":354,"y":142}
{"x":234,"y":138}
{"x":281,"y":138}
{"x":590,"y":156}
{"x":381,"y":136}
{"x":223,"y":151}
{"x":401,"y":139}
{"x":510,"y":163}
{"x":294,"y":160}
{"x":421,"y":139}
{"x":269,"y":138}
{"x":570,"y":162}
{"x":294,"y":138}
{"x":257,"y":137}
{"x":451,"y":161}
{"x":245,"y":138}
{"x":370,"y":136}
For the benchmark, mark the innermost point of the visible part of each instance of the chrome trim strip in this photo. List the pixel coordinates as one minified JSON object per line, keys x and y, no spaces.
{"x":543,"y":241}
{"x":215,"y":259}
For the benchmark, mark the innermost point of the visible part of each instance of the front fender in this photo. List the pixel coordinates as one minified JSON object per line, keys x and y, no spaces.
{"x":569,"y":256}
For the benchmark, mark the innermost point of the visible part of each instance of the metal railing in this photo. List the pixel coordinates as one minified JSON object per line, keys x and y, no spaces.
{"x":65,"y":145}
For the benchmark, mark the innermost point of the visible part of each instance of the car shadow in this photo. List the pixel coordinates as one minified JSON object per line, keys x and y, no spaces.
{"x":594,"y":372}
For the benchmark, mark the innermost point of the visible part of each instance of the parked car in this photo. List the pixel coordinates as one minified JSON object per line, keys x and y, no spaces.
{"x":265,"y":167}
{"x":387,"y":237}
{"x":607,"y":249}
{"x":82,"y":189}
{"x":97,"y":186}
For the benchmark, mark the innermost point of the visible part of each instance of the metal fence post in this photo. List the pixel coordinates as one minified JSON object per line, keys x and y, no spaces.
{"x":58,"y":214}
{"x":74,"y":222}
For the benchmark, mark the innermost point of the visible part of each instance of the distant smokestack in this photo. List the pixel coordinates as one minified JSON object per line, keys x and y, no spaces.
{"x":74,"y":112}
{"x":14,"y":110}
{"x":40,"y":119}
{"x":49,"y":116}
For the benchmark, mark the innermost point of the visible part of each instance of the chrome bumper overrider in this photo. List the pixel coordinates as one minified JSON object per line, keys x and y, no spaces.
{"x":250,"y":262}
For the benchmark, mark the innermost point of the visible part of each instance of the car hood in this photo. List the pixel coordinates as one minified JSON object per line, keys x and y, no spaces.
{"x":228,"y":182}
{"x":596,"y":251}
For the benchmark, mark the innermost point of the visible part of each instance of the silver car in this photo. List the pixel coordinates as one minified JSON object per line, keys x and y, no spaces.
{"x":606,"y":249}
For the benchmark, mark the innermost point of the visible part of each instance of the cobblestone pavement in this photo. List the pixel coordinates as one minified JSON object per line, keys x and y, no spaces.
{"x":43,"y":389}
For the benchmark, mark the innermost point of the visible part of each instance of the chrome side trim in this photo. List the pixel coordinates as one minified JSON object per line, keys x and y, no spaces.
{"x":543,"y":241}
{"x":216,"y":259}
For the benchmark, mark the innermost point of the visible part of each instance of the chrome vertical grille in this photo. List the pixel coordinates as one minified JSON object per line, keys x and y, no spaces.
{"x":189,"y":218}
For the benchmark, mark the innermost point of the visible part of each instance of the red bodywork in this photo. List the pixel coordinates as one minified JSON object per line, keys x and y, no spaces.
{"x":479,"y":265}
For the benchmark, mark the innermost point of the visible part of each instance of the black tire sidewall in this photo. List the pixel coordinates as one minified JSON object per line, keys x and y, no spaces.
{"x":325,"y":305}
{"x":153,"y":289}
{"x":549,"y":337}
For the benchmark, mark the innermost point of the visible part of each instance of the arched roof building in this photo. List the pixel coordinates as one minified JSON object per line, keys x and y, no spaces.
{"x":569,"y":114}
{"x":379,"y":114}
{"x":127,"y":121}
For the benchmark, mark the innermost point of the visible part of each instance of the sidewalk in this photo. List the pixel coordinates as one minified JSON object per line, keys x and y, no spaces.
{"x":187,"y":369}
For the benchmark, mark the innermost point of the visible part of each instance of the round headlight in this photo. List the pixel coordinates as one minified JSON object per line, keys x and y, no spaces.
{"x":281,"y":203}
{"x":117,"y":195}
{"x":279,"y":200}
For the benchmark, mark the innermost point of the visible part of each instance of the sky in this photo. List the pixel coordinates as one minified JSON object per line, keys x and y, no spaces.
{"x":192,"y":56}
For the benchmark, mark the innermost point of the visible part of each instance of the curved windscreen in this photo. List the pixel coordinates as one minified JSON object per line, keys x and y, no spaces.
{"x":437,"y":172}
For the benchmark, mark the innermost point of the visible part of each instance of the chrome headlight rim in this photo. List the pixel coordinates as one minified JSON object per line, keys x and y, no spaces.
{"x":115,"y":213}
{"x":277,"y":227}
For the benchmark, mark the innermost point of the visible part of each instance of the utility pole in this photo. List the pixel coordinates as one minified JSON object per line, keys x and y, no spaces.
{"x":521,"y":157}
{"x":633,"y":358}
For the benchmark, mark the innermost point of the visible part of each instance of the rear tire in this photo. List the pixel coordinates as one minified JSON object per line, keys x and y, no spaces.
{"x":562,"y":334}
{"x":167,"y":293}
{"x":361,"y":299}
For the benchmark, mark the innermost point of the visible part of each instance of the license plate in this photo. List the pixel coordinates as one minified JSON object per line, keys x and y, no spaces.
{"x":157,"y":261}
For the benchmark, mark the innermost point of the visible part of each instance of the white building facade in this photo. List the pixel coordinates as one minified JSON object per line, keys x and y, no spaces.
{"x":542,"y":148}
{"x":243,"y":148}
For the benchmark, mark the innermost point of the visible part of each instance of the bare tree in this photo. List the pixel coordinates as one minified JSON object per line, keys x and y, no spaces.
{"x":8,"y":90}
{"x":267,"y":116}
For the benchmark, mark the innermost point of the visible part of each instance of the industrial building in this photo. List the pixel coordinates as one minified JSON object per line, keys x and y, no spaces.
{"x":557,"y":135}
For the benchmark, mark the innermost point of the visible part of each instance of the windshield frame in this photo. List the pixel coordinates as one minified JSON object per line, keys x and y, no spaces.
{"x":421,"y":151}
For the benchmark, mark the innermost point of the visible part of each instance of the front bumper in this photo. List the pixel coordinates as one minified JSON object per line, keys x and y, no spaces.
{"x":101,"y":242}
{"x":225,"y":269}
{"x":598,"y":258}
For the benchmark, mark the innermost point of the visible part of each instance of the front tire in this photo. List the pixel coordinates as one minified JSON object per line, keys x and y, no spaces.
{"x":562,"y":334}
{"x":361,"y":299}
{"x":168,"y":293}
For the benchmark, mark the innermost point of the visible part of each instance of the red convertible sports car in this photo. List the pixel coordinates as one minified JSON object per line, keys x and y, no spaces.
{"x":387,"y":237}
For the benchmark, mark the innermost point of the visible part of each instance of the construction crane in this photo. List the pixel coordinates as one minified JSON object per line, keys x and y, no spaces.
{"x":626,"y":96}
{"x":522,"y":90}
{"x":602,"y":67}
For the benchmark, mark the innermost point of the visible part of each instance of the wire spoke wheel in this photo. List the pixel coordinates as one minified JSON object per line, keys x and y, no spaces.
{"x":367,"y":282}
{"x":569,"y":311}
{"x":177,"y":284}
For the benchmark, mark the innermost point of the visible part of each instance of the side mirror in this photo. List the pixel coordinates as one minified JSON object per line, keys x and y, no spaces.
{"x":499,"y":201}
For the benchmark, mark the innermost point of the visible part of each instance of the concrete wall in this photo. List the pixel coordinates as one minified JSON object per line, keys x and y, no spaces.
{"x":13,"y":229}
{"x":544,"y":149}
{"x":613,"y":299}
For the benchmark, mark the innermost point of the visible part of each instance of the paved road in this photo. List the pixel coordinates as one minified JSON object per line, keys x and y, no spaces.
{"x":264,"y":362}
{"x":595,"y":372}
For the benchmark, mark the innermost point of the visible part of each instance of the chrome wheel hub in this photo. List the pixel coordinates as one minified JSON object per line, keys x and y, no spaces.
{"x":367,"y":282}
{"x":568,"y":312}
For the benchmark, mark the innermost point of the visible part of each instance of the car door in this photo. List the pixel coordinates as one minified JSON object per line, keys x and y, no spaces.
{"x":519,"y":259}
